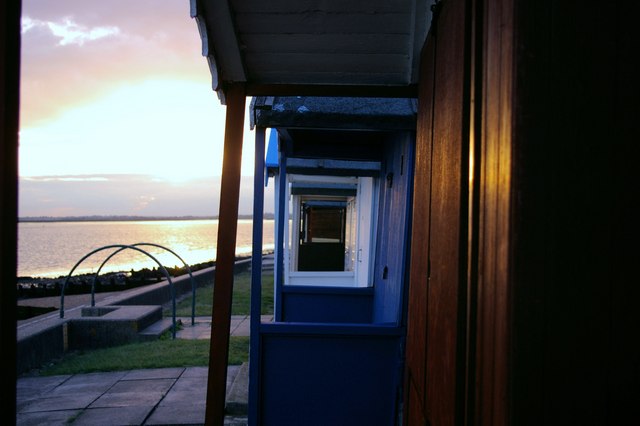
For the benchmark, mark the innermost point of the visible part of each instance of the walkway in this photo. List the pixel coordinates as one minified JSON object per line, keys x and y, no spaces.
{"x":167,"y":396}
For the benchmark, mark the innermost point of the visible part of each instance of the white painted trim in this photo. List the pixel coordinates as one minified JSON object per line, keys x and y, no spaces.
{"x":366,"y":201}
{"x":322,"y":279}
{"x":366,"y":213}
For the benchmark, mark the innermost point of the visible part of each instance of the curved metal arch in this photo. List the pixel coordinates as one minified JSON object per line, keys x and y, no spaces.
{"x":164,"y":271}
{"x":193,"y":284}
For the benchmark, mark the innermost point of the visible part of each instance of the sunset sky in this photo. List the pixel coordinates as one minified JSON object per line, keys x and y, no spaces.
{"x":117,"y":111}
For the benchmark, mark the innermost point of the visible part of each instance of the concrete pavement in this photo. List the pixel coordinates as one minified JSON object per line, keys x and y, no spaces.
{"x":167,"y":396}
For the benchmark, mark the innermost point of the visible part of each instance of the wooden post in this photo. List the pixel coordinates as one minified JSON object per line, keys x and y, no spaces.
{"x":9,"y":123}
{"x":225,"y":257}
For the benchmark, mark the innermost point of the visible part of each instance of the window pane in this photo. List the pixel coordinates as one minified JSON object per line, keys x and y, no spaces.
{"x":322,"y":233}
{"x":323,"y":224}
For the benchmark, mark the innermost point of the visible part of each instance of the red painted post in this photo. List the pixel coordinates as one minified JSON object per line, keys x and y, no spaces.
{"x":225,"y":257}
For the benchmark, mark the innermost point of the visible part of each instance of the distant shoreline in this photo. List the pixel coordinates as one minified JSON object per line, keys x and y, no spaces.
{"x":151,"y":273}
{"x":124,"y":218}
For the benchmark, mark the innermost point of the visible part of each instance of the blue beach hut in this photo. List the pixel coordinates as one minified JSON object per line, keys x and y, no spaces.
{"x":342,"y":170}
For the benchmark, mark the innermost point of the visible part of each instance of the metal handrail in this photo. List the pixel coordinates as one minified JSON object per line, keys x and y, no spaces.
{"x":122,"y":246}
{"x":193,"y":285}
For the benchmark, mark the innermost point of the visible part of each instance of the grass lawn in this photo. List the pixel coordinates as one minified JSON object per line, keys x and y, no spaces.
{"x":240,"y":302}
{"x":167,"y":352}
{"x":161,"y":353}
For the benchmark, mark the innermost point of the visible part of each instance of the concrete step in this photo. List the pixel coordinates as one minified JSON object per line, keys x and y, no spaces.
{"x":237,"y":399}
{"x":155,"y":330}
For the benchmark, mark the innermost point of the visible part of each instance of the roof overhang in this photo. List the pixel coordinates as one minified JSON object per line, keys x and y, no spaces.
{"x":314,"y":47}
{"x":336,"y":113}
{"x":327,"y":135}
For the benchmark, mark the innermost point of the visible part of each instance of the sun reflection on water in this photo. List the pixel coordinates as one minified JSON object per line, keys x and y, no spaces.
{"x":51,"y":249}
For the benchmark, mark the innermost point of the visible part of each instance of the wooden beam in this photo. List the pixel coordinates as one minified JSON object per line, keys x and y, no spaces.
{"x":376,"y":91}
{"x":225,"y":256}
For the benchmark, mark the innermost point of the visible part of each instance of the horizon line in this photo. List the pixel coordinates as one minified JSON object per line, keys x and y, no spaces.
{"x":131,"y":218}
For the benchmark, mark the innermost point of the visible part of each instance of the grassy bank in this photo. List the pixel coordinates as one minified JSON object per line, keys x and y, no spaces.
{"x":241,"y":298}
{"x":162,"y":353}
{"x":167,"y":352}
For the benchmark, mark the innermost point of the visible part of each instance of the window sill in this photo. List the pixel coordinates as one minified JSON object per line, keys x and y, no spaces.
{"x":322,"y":279}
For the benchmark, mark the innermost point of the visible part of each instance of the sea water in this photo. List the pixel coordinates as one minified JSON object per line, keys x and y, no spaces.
{"x":51,"y":249}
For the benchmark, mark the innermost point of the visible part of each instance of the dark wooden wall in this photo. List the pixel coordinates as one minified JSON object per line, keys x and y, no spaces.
{"x":523,"y":285}
{"x":415,"y":377}
{"x":575,"y":356}
{"x":491,"y":211}
{"x":437,"y":306}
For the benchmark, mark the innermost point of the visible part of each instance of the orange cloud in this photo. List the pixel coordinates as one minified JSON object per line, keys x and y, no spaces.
{"x":75,"y":51}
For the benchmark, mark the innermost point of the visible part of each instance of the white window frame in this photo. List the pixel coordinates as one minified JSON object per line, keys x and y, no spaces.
{"x":366,"y":201}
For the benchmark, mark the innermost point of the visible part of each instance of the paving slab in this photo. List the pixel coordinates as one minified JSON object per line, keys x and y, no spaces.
{"x":38,"y":385}
{"x":127,"y":393}
{"x":198,"y":371}
{"x":185,"y":391}
{"x":237,"y":396}
{"x":92,"y":383}
{"x":171,"y":396}
{"x":115,"y":416}
{"x":180,"y":414}
{"x":30,"y":389}
{"x":47,"y":418}
{"x":236,"y":421}
{"x":60,"y":402}
{"x":201,"y":329}
{"x":154,"y":373}
{"x":232,"y":371}
{"x":240,"y":327}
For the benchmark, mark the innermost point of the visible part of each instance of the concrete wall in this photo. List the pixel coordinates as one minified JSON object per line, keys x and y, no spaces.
{"x":160,"y":294}
{"x":38,"y":348}
{"x":115,"y":327}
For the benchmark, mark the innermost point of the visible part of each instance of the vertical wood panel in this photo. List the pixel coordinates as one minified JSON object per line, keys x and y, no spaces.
{"x":449,"y":182}
{"x":572,"y":272}
{"x":494,"y":173}
{"x":418,"y":283}
{"x":437,"y":309}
